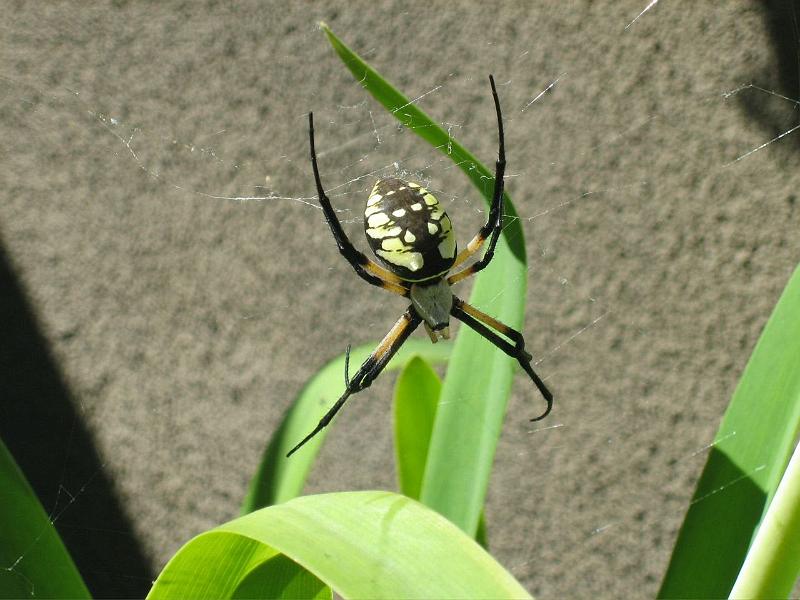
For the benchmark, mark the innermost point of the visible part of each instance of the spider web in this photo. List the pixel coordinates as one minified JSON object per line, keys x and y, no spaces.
{"x":162,"y":224}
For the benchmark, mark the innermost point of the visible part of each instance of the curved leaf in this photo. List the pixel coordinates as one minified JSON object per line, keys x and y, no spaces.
{"x":361,"y":544}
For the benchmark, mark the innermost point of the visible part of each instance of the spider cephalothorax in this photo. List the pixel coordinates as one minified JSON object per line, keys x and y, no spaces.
{"x":411,"y":234}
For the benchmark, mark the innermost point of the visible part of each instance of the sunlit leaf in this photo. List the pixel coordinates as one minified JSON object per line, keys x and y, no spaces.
{"x":360,"y":544}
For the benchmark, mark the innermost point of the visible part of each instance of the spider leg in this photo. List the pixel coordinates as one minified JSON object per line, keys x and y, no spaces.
{"x":347,"y":367}
{"x":479,"y":321}
{"x":494,"y":222}
{"x":365,"y":268}
{"x":370,"y":369}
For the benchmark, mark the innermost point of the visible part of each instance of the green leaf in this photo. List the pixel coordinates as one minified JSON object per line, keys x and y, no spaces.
{"x":361,"y":544}
{"x":281,"y":577}
{"x":473,"y":401}
{"x":746,"y":462}
{"x":479,"y":377}
{"x":277,"y":478}
{"x":415,"y":398}
{"x":220,"y":564}
{"x":35,"y":561}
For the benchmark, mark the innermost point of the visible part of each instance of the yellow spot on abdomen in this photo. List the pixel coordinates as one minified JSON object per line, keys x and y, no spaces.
{"x":394,"y":251}
{"x":447,"y":247}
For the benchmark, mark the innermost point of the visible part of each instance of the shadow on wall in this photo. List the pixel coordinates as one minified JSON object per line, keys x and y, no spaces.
{"x":52,"y":446}
{"x":782,"y":21}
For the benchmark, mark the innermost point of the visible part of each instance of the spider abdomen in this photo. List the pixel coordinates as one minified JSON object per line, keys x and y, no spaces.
{"x":408,"y":230}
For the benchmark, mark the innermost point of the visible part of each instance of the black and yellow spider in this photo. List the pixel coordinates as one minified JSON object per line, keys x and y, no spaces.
{"x":411,"y":234}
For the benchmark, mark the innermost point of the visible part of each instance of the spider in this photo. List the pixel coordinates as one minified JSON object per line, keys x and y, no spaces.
{"x":411,"y":234}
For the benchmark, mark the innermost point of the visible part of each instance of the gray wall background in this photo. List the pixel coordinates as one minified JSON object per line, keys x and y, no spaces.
{"x":158,"y":327}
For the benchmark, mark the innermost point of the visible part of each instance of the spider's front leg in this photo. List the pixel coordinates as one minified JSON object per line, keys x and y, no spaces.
{"x":494,"y":222}
{"x":481,"y":322}
{"x":366,"y":269}
{"x":370,"y":369}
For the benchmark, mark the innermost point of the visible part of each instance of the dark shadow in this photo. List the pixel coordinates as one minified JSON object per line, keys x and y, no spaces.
{"x":279,"y":577}
{"x":45,"y":434}
{"x":782,"y":21}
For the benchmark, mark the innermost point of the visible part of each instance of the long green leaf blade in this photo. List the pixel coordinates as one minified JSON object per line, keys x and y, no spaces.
{"x":473,"y":401}
{"x":479,"y":377}
{"x":36,"y":563}
{"x":277,"y":478}
{"x":416,"y":399}
{"x":746,"y":462}
{"x":361,"y":544}
{"x":416,"y":396}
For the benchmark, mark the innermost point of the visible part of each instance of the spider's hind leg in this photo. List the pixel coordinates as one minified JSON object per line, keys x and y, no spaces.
{"x":370,"y":369}
{"x":481,"y":322}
